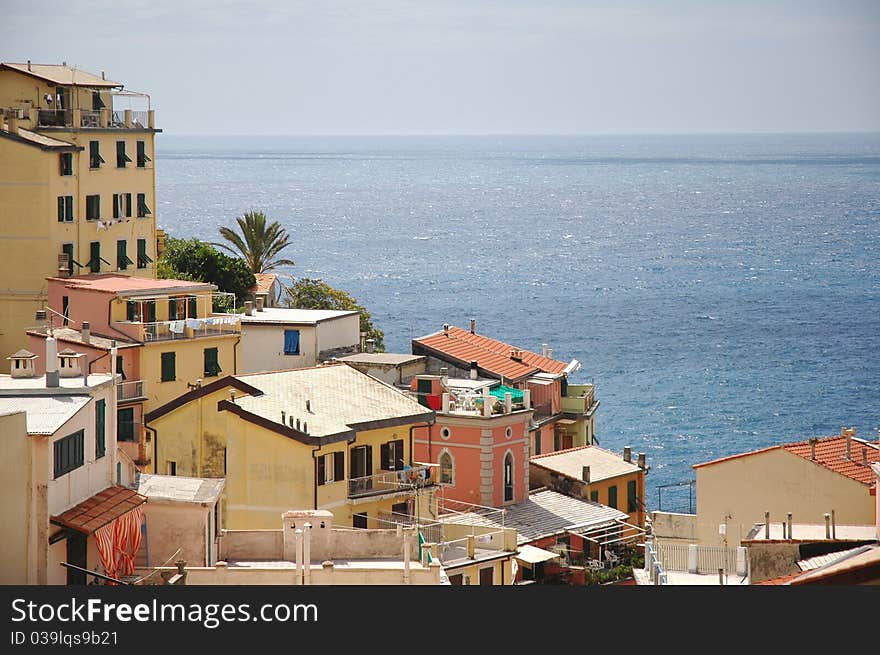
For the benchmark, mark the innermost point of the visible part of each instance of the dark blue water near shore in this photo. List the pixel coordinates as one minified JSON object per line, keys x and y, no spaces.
{"x":722,"y":292}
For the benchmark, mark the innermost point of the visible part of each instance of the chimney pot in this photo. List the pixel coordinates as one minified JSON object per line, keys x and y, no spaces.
{"x":473,"y":326}
{"x":446,"y":328}
{"x":813,"y":448}
{"x":86,"y":332}
{"x":642,"y":464}
{"x":544,"y":349}
{"x":848,"y":435}
{"x":232,"y":395}
{"x":29,"y":64}
{"x":308,"y":405}
{"x":305,"y":427}
{"x":297,"y":423}
{"x":283,"y":417}
{"x":627,"y":454}
{"x":585,"y":474}
{"x":371,"y":345}
{"x":248,"y":308}
{"x":260,"y":301}
{"x":865,"y":456}
{"x":473,"y":370}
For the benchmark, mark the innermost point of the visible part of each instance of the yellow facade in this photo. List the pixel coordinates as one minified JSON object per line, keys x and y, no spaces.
{"x":31,"y":182}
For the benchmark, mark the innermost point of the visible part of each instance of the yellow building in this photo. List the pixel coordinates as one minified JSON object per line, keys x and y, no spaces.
{"x":77,"y":185}
{"x":168,"y":338}
{"x":327,"y":437}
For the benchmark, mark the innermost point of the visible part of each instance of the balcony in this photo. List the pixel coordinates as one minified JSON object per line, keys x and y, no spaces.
{"x":132,"y":391}
{"x":580,"y":399}
{"x":390,"y":482}
{"x":190,"y":328}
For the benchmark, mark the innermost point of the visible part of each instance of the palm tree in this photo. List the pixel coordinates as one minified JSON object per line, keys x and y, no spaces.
{"x":259,"y":244}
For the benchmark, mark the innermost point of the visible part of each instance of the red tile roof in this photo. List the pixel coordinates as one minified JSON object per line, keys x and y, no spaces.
{"x":116,"y":283}
{"x":781,"y":580}
{"x":830,"y":453}
{"x":99,"y":510}
{"x":490,"y":354}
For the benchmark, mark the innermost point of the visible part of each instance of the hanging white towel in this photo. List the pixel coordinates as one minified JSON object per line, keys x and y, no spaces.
{"x":194,"y":323}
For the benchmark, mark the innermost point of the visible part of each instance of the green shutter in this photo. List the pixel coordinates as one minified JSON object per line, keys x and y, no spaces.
{"x":121,"y":157}
{"x":128,"y":204}
{"x":116,"y":205}
{"x":67,"y":249}
{"x":192,"y":307}
{"x":537,"y":442}
{"x":68,"y":208}
{"x":119,"y":368}
{"x":594,"y":496}
{"x":612,"y":496}
{"x":60,"y":209}
{"x":100,"y":428}
{"x":131,"y":311}
{"x":142,"y":209}
{"x":125,"y":424}
{"x":212,"y":365}
{"x":632,"y":503}
{"x":172,"y":305}
{"x":95,"y":257}
{"x":168,"y":367}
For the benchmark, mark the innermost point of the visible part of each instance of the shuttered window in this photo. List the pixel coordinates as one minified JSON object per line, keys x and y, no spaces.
{"x":143,"y":258}
{"x":537,"y":442}
{"x":169,"y":373}
{"x":100,"y":428}
{"x":338,"y":466}
{"x":392,"y":455}
{"x":67,"y":249}
{"x":142,"y":209}
{"x":65,"y":209}
{"x":93,"y":207}
{"x":66,"y":163}
{"x":95,"y":257}
{"x":632,"y":502}
{"x":192,"y":307}
{"x":212,"y":364}
{"x":122,"y":260}
{"x":612,"y":496}
{"x":119,"y":367}
{"x":125,"y":424}
{"x":594,"y":496}
{"x":121,"y":158}
{"x":69,"y":453}
{"x":95,"y":159}
{"x":142,"y":157}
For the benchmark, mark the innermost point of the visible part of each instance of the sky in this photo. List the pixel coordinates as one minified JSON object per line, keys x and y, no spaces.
{"x":471,"y":66}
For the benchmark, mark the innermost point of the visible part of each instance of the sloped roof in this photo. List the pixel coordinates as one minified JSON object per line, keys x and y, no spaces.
{"x":105,"y":506}
{"x":36,"y":139}
{"x":60,"y":74}
{"x":830,"y":453}
{"x":179,"y":488}
{"x":490,"y":354}
{"x":125,"y":284}
{"x":97,"y":341}
{"x":603,"y":464}
{"x":45,"y":414}
{"x":22,"y":354}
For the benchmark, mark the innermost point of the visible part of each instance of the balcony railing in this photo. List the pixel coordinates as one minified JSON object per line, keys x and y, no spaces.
{"x":132,"y":390}
{"x":579,"y":398}
{"x":53,"y":118}
{"x":387,"y":482}
{"x":188,"y":328}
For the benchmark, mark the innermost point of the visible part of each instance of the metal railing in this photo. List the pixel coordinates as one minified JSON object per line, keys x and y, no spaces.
{"x":132,"y":390}
{"x":53,"y":117}
{"x":391,"y":481}
{"x":90,"y":118}
{"x":675,"y":557}
{"x":653,"y":566}
{"x":189,"y":328}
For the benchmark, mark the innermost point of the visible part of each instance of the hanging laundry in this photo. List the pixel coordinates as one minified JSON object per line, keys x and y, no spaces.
{"x":194,"y":323}
{"x":176,"y":326}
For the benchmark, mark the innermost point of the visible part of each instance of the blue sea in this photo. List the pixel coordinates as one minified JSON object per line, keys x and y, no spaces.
{"x":721,"y":292}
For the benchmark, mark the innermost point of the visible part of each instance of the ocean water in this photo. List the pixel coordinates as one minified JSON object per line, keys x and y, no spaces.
{"x":721,"y":292}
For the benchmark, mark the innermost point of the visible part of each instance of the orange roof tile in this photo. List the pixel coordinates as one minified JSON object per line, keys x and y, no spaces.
{"x":116,"y":283}
{"x":781,"y":580}
{"x":105,"y":506}
{"x":490,"y":354}
{"x":830,"y":453}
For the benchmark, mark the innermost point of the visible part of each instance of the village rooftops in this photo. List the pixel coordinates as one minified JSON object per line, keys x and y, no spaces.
{"x":293,"y":316}
{"x":61,"y":75}
{"x":380,"y":359}
{"x":830,"y":452}
{"x":179,"y":488}
{"x":493,"y":357}
{"x":45,"y":414}
{"x":332,"y":401}
{"x":11,"y":387}
{"x":69,"y":335}
{"x":129,"y":286}
{"x":603,"y":464}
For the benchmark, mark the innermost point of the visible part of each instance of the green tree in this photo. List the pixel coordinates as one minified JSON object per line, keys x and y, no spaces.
{"x":191,"y":259}
{"x":309,"y":293}
{"x":258,"y":244}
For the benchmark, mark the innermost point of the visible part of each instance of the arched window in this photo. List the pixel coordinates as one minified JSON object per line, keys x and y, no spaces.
{"x":446,"y":468}
{"x":508,"y":477}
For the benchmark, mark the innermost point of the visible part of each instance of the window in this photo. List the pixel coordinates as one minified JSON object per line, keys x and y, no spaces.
{"x":66,"y":163}
{"x":361,"y":462}
{"x":168,"y":367}
{"x":142,"y":157}
{"x":95,"y":159}
{"x":125,"y":424}
{"x":192,"y":307}
{"x":119,"y":368}
{"x":67,"y":249}
{"x":487,"y":576}
{"x":65,"y":209}
{"x":612,"y":496}
{"x":149,"y":308}
{"x":94,"y":257}
{"x":171,"y":467}
{"x":100,"y":428}
{"x":632,"y":502}
{"x":555,"y":441}
{"x":69,"y":453}
{"x":143,"y":258}
{"x":131,"y":311}
{"x":508,"y":477}
{"x":360,"y":520}
{"x":458,"y":579}
{"x":594,"y":496}
{"x":93,"y":207}
{"x":537,"y":442}
{"x":121,"y":205}
{"x":65,"y":309}
{"x":445,"y":433}
{"x":212,"y":365}
{"x":97,"y":103}
{"x":330,"y":468}
{"x":143,"y":210}
{"x":122,"y":260}
{"x":121,"y":158}
{"x":291,"y":342}
{"x":446,"y":468}
{"x":392,"y":455}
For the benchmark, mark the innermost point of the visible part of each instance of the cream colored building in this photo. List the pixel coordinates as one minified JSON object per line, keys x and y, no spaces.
{"x":59,"y":455}
{"x":276,"y":339}
{"x":807,"y":478}
{"x":77,"y":185}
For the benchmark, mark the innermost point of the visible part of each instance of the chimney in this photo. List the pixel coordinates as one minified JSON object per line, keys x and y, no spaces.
{"x":305,"y":427}
{"x":63,"y":265}
{"x":833,"y":526}
{"x":627,"y":455}
{"x":297,"y":424}
{"x":29,"y":64}
{"x":232,"y":395}
{"x":642,"y":461}
{"x":827,"y":525}
{"x":444,"y":376}
{"x":12,"y":124}
{"x":102,"y":76}
{"x":550,"y":353}
{"x":283,"y":417}
{"x":585,"y":474}
{"x":813,"y":441}
{"x":766,"y":525}
{"x":371,"y":345}
{"x":527,"y":399}
{"x":446,"y":328}
{"x":473,"y":370}
{"x":70,"y":366}
{"x":508,"y":402}
{"x":788,"y":516}
{"x":544,"y":349}
{"x":260,"y":301}
{"x":248,"y":308}
{"x":308,"y":405}
{"x":86,"y":332}
{"x":444,"y":400}
{"x":848,"y":435}
{"x":473,"y":326}
{"x":51,"y":362}
{"x":21,"y":364}
{"x":864,"y":456}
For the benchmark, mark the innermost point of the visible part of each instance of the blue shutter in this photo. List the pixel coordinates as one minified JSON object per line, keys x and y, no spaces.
{"x":291,"y":342}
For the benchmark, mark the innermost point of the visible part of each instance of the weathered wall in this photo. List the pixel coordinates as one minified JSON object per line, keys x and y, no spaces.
{"x":669,"y":525}
{"x":772,"y":559}
{"x":348,"y":575}
{"x":16,"y":487}
{"x":176,"y":525}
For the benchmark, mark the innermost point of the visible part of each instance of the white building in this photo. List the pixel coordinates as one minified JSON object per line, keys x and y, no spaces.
{"x":276,"y":339}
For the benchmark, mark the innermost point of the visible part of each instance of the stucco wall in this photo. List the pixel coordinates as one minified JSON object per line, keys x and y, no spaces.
{"x":176,"y":525}
{"x":349,"y":575}
{"x":777,"y":481}
{"x":669,"y":525}
{"x":15,"y":510}
{"x":262,"y":348}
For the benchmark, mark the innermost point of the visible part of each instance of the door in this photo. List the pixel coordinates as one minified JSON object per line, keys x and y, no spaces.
{"x":487,"y":576}
{"x":361,"y":467}
{"x":76,"y":555}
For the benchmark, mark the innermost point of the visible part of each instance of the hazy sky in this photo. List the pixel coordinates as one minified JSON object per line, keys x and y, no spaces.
{"x":471,"y":66}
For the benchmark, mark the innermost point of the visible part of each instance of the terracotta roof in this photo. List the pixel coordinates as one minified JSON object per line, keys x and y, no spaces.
{"x":490,"y":354}
{"x":265,"y":282}
{"x":603,"y":463}
{"x":830,"y":453}
{"x":22,"y":354}
{"x":781,"y":580}
{"x":105,"y":506}
{"x":116,"y":283}
{"x":60,"y":74}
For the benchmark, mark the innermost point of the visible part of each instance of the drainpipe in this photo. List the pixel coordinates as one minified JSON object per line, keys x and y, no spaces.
{"x":155,"y":440}
{"x":315,"y":478}
{"x":413,"y":427}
